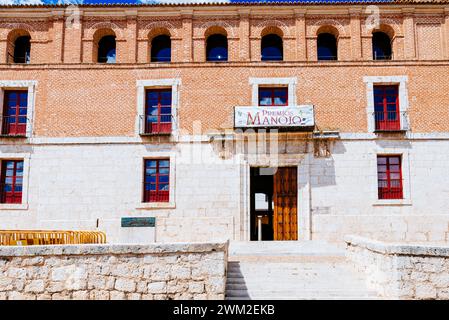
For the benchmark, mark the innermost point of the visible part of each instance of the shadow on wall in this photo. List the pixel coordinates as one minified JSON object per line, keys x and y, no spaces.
{"x":402,"y":144}
{"x":322,"y":170}
{"x":16,"y":149}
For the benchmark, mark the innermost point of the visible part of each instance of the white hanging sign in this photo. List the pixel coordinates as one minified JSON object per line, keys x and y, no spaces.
{"x":278,"y":117}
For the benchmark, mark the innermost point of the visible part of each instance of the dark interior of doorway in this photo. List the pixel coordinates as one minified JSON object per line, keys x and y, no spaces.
{"x":261,"y":191}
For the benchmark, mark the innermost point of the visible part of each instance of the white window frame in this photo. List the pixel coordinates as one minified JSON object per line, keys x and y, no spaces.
{"x":174,"y":84}
{"x":30,"y":85}
{"x":281,"y":82}
{"x":25,"y":184}
{"x":406,"y":177}
{"x":171,"y":204}
{"x":371,"y":81}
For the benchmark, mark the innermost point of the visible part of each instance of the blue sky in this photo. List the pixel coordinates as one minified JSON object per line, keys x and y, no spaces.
{"x":164,"y":1}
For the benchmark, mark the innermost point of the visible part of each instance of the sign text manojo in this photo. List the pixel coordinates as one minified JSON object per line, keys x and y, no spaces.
{"x":274,"y":117}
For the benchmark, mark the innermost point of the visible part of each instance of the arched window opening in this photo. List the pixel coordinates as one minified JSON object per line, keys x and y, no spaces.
{"x":21,"y":48}
{"x":217,"y":48}
{"x":161,"y":49}
{"x":326,"y":47}
{"x":272,"y":48}
{"x":382,"y":46}
{"x":106,"y":49}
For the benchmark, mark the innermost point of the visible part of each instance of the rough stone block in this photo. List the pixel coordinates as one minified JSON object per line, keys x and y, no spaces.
{"x":117,"y":295}
{"x":35,"y":286}
{"x":125,"y":285}
{"x":425,"y":291}
{"x":157,"y":287}
{"x":80,"y":295}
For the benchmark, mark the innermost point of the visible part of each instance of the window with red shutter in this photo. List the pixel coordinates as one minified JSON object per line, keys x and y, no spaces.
{"x":158,"y":111}
{"x":14,"y":119}
{"x":389,"y":177}
{"x":386,"y":108}
{"x":273,"y":97}
{"x":156,"y":180}
{"x":11,"y":181}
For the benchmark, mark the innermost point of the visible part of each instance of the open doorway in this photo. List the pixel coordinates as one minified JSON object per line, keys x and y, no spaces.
{"x":273,"y":198}
{"x":261,"y":188}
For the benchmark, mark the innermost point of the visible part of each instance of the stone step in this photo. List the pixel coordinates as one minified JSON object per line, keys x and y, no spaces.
{"x":307,"y":297}
{"x":309,"y":286}
{"x":286,"y":258}
{"x":296,"y":293}
{"x":285,"y":248}
{"x":292,"y":270}
{"x":279,"y":270}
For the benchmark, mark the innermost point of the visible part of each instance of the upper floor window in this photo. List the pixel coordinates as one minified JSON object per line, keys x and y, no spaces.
{"x":11,"y":181}
{"x":161,"y":49}
{"x":277,"y":96}
{"x":107,"y":49}
{"x":158,"y":111}
{"x":14,"y":117}
{"x":217,"y":48}
{"x":156,"y":180}
{"x":272,"y":48}
{"x":19,"y":46}
{"x":389,"y":176}
{"x":326,"y":46}
{"x":22,"y":47}
{"x":381,"y":46}
{"x":386,"y":108}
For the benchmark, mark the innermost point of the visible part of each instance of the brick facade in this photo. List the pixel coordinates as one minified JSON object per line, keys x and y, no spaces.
{"x":85,"y":134}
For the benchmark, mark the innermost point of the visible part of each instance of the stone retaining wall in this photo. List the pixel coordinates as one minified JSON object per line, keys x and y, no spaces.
{"x":402,"y":270}
{"x":156,"y":271}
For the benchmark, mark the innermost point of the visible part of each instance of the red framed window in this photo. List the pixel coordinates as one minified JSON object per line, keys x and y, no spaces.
{"x":14,"y":120}
{"x":157,"y":180}
{"x":158,"y":111}
{"x":11,"y":181}
{"x":389,"y":177}
{"x":273,"y":97}
{"x":386,"y":108}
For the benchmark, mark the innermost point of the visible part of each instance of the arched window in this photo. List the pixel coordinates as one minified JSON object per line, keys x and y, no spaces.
{"x":381,"y":46}
{"x":161,"y":49}
{"x":272,"y":48}
{"x":19,"y":46}
{"x":326,"y":47}
{"x":22,"y":48}
{"x":106,"y":49}
{"x":217,"y":48}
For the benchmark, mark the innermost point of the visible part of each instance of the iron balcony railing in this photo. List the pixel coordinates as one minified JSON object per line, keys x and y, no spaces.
{"x":382,"y":57}
{"x":272,"y":58}
{"x":19,"y":59}
{"x":161,"y":124}
{"x":393,"y":192}
{"x":327,"y":58}
{"x":14,"y":126}
{"x":390,"y":121}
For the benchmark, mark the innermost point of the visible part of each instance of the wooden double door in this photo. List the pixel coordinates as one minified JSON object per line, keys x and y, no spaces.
{"x":285,"y":213}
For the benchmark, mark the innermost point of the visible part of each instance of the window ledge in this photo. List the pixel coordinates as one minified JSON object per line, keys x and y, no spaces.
{"x":13,"y":206}
{"x":156,"y":205}
{"x":393,"y":202}
{"x":144,"y":134}
{"x":13,"y":136}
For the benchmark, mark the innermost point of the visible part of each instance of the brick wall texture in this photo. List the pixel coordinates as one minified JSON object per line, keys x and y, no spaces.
{"x":77,"y":97}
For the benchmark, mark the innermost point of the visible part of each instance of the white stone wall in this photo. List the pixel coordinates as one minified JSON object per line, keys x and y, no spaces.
{"x":76,"y":186}
{"x":344,"y":192}
{"x":402,"y":271}
{"x":103,"y":272}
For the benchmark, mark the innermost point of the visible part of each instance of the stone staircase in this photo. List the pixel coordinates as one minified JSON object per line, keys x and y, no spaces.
{"x":292,"y":270}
